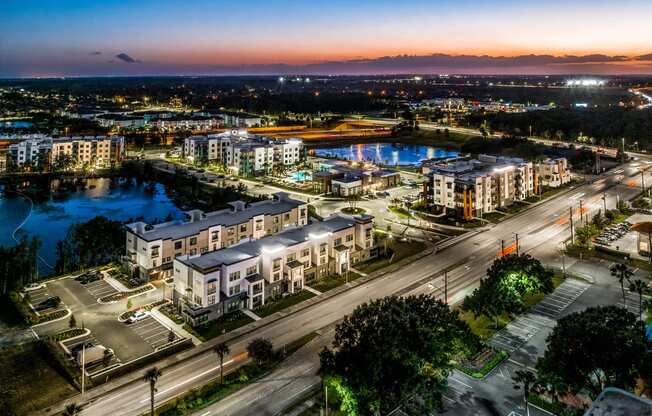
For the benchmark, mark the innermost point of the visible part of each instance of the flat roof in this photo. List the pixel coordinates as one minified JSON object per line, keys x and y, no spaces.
{"x":174,"y":230}
{"x":270,"y":244}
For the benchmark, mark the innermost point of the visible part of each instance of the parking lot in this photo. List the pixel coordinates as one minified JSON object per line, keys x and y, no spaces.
{"x":38,"y":296}
{"x":100,"y":289}
{"x":127,"y":341}
{"x":74,"y":344}
{"x":542,"y":315}
{"x":152,"y":332}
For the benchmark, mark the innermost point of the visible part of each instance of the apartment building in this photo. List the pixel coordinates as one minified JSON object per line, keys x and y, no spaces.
{"x":475,"y":187}
{"x":98,"y":151}
{"x":32,"y":151}
{"x":151,"y":249}
{"x":553,"y":172}
{"x":247,"y":275}
{"x":243,"y":153}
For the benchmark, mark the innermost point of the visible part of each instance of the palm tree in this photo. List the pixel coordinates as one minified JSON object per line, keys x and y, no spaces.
{"x":526,"y":380}
{"x":72,"y":409}
{"x":621,"y":272}
{"x":221,"y":350}
{"x":152,"y":376}
{"x":638,"y":286}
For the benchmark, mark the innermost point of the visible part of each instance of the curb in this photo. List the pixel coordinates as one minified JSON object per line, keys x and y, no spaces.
{"x":68,"y":313}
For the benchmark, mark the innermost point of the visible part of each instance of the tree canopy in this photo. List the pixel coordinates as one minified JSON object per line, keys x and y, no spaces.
{"x":593,"y":349}
{"x":508,"y":280}
{"x":392,"y":350}
{"x":92,"y":243}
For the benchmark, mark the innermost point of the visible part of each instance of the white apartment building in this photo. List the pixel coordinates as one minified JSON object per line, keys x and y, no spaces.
{"x":247,"y":275}
{"x":32,"y":151}
{"x":243,"y":153}
{"x":98,"y":151}
{"x":553,"y":172}
{"x":151,"y":249}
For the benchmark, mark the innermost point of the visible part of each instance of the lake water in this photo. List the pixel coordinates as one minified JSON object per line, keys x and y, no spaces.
{"x":51,"y":219}
{"x":390,"y":154}
{"x":16,"y":124}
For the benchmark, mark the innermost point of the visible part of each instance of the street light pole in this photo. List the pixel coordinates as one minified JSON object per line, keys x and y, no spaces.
{"x":446,"y":287}
{"x":517,"y":247}
{"x":581,"y":213}
{"x":571,"y":225}
{"x":604,"y":200}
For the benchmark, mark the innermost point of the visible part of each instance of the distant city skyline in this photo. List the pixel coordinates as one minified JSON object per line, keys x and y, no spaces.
{"x":173,"y":37}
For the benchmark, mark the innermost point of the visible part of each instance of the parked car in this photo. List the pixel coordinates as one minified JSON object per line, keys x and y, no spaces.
{"x":33,"y":286}
{"x":93,"y":354}
{"x":138,"y":316}
{"x":89,"y":277}
{"x":51,"y":302}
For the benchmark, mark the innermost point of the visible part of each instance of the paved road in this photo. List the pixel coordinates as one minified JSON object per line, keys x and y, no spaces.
{"x":543,"y":227}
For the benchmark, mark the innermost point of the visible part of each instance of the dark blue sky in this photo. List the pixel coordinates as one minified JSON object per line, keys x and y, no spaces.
{"x":64,"y":37}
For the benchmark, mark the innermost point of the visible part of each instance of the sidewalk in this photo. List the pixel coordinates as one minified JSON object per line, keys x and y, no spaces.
{"x":158,"y":315}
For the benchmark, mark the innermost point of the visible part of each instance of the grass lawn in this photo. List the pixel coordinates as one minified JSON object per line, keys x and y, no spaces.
{"x":493,"y":216}
{"x":224,"y":324}
{"x":277,"y":305}
{"x":400,"y":212}
{"x":401,"y":249}
{"x":331,"y":282}
{"x":29,"y":381}
{"x":485,"y":327}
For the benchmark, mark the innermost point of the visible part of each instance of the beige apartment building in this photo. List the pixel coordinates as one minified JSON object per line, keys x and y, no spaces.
{"x":151,"y":249}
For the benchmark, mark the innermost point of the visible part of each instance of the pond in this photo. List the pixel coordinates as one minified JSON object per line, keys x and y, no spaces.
{"x":50,"y":219}
{"x":389,"y":154}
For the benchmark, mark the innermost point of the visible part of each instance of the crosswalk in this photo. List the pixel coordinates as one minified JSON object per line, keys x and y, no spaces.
{"x":543,"y":314}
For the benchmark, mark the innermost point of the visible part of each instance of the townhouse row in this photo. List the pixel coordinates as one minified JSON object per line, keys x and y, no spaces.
{"x":475,"y":187}
{"x":249,"y":274}
{"x":244,"y":153}
{"x":37,"y":150}
{"x":151,"y":249}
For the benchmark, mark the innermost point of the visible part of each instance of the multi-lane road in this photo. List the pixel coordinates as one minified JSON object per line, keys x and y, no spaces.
{"x":541,"y":228}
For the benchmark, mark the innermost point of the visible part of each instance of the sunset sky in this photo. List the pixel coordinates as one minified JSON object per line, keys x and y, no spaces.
{"x":151,"y":37}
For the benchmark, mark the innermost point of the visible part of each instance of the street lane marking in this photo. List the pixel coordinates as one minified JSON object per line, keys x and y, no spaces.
{"x":187,"y":380}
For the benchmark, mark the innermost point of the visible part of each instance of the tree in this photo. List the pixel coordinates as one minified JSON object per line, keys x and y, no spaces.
{"x":222,"y":350}
{"x":261,"y":351}
{"x":93,"y":243}
{"x":638,"y":286}
{"x":353,"y":200}
{"x":593,"y":349}
{"x":621,"y":272}
{"x":130,"y":303}
{"x":72,"y":409}
{"x":106,"y":357}
{"x":72,"y":322}
{"x":373,"y":367}
{"x":508,"y":280}
{"x":151,"y":376}
{"x":525,"y":380}
{"x":171,"y":336}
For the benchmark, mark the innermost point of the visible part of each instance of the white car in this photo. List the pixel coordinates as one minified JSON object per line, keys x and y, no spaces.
{"x":34,"y":286}
{"x":138,"y":316}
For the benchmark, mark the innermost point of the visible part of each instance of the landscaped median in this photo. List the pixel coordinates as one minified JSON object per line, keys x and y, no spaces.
{"x":115,"y":297}
{"x":234,"y":380}
{"x":482,"y":363}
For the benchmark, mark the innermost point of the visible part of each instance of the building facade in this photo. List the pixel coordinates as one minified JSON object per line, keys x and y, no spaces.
{"x":247,"y":275}
{"x":151,"y":249}
{"x":472,"y":188}
{"x":100,"y":151}
{"x":243,"y":153}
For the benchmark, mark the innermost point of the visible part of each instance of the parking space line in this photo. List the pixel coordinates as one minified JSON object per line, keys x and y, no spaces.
{"x":459,"y":381}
